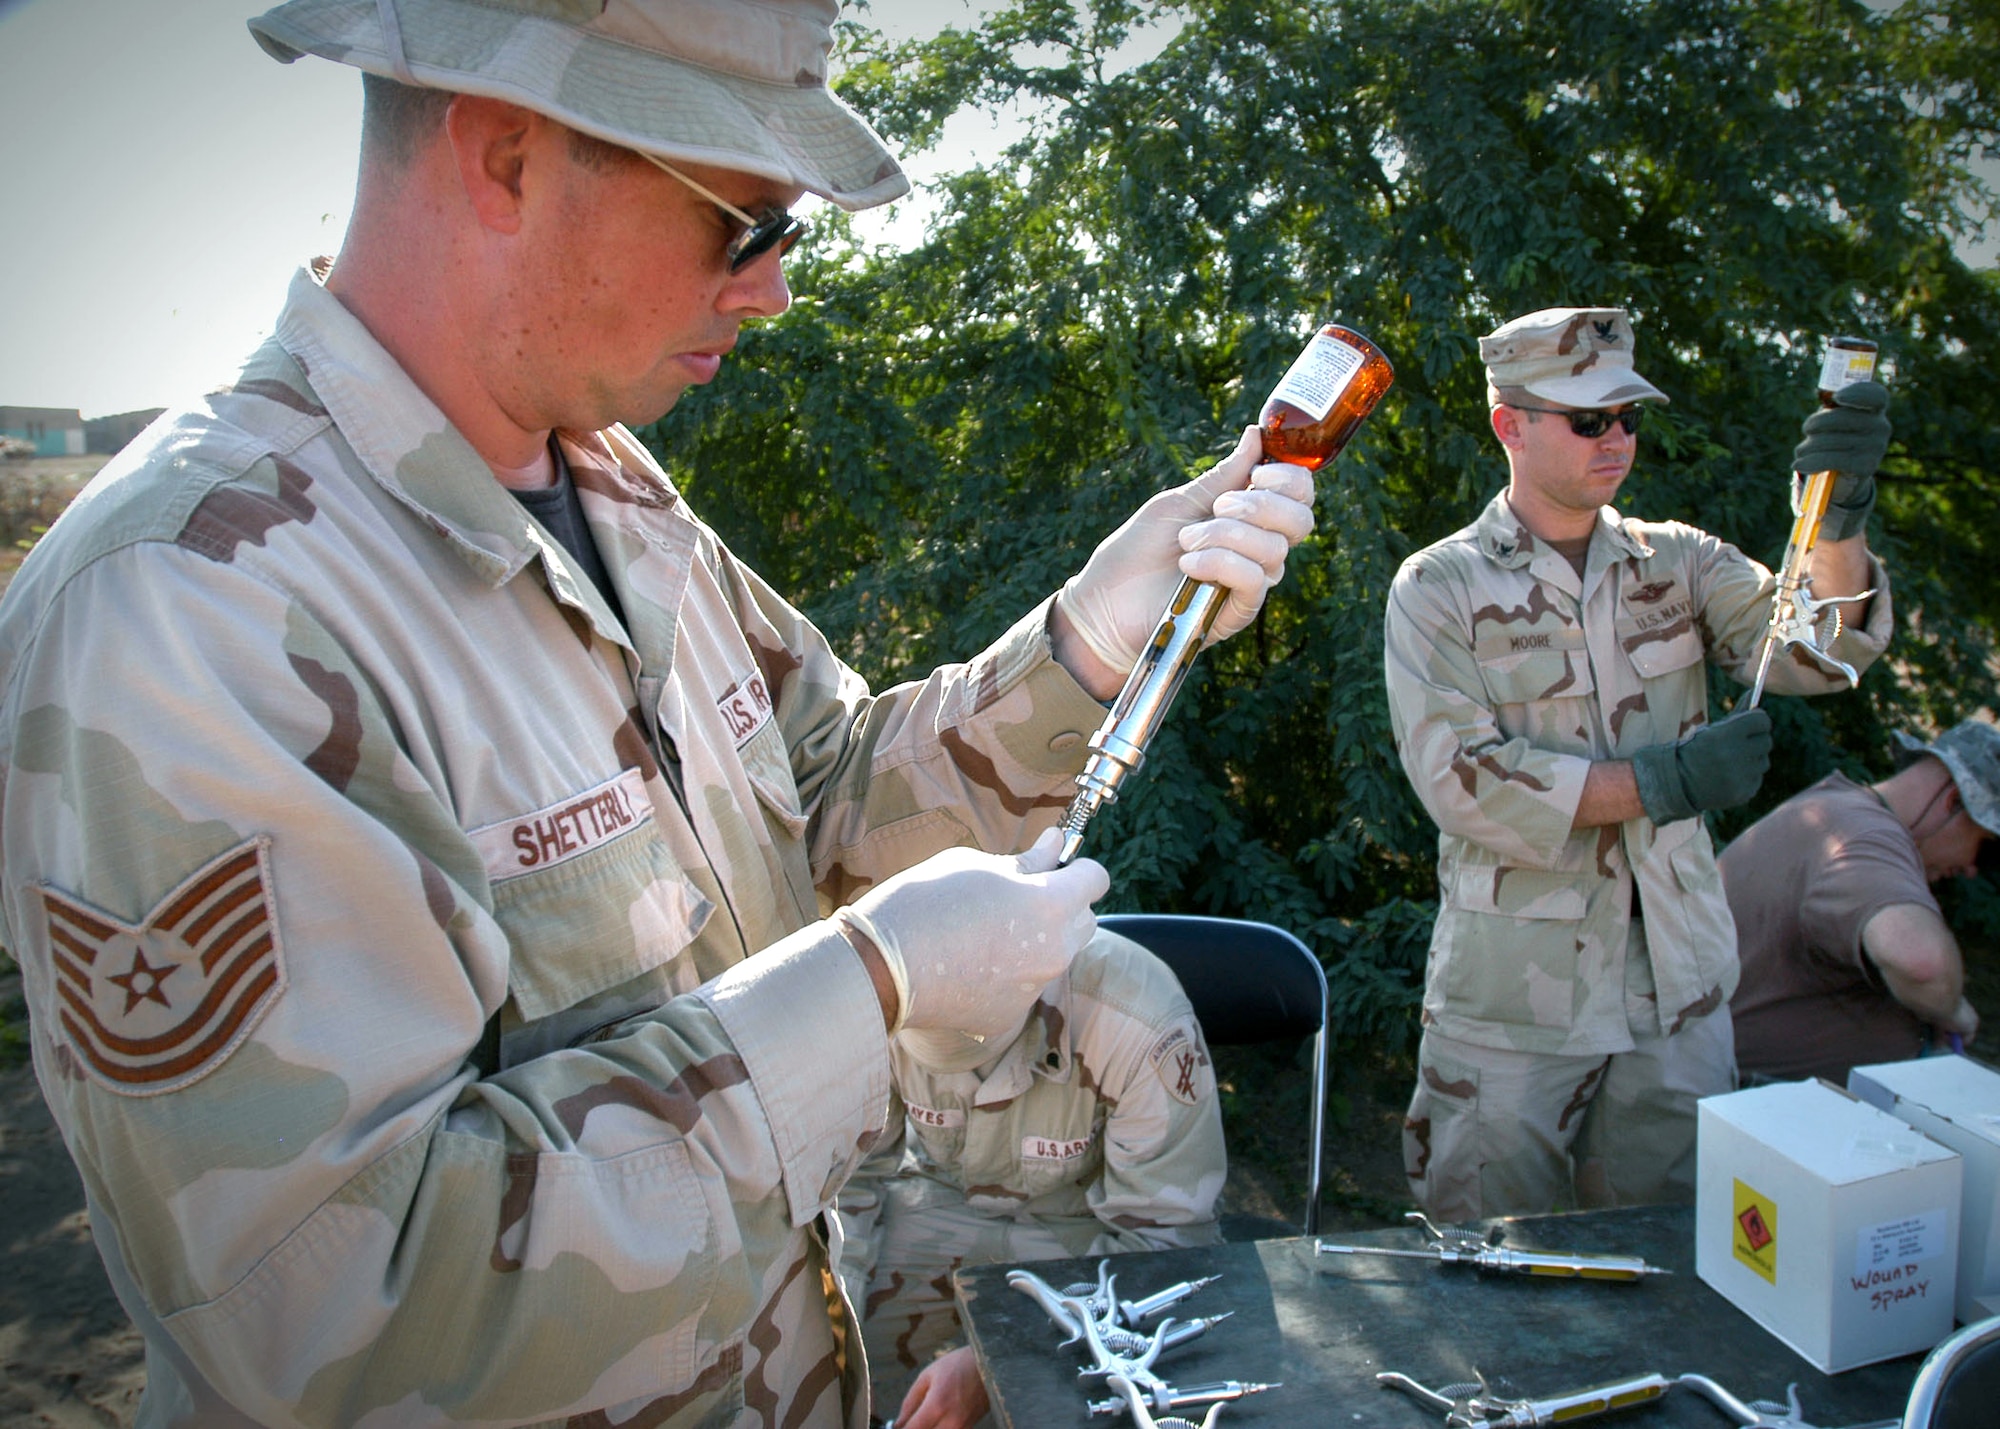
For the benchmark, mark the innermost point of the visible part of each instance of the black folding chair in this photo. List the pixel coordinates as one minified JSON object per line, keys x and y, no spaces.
{"x":1248,"y":983}
{"x":1958,"y":1386}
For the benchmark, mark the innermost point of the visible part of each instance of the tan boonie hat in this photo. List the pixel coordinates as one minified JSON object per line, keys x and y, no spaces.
{"x":1971,"y":751}
{"x":1578,"y":357}
{"x":740,"y":84}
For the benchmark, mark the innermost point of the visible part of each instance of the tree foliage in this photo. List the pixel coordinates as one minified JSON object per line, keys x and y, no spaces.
{"x":930,"y":440}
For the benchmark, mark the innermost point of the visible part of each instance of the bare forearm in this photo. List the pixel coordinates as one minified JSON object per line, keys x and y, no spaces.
{"x":1610,"y":795}
{"x":1841,"y":568}
{"x":1964,"y":1020}
{"x":1941,"y":1006}
{"x":1919,"y":961}
{"x":1939,"y":1000}
{"x":1099,"y":679}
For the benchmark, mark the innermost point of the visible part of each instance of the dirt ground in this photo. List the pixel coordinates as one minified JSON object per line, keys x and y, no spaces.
{"x":33,"y":492}
{"x":68,"y":1355}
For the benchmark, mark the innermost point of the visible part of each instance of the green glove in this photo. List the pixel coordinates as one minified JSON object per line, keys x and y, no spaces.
{"x":1718,"y":766}
{"x":1849,"y":438}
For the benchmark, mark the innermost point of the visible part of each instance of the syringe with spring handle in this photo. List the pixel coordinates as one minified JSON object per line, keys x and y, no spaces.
{"x":1452,"y":1245}
{"x":1306,"y":420}
{"x":1797,"y":618}
{"x":1470,"y":1406}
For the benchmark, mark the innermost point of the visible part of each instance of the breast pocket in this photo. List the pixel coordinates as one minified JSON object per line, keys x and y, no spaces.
{"x":1532,"y":667}
{"x":1659,"y":647}
{"x":940,"y":1139}
{"x":585,"y":925}
{"x":767,"y":765}
{"x":1055,"y":1162}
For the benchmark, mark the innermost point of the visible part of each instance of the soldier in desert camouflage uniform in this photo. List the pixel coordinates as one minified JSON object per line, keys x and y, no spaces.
{"x":1548,"y":690}
{"x":1095,"y":1130}
{"x":419,"y":901}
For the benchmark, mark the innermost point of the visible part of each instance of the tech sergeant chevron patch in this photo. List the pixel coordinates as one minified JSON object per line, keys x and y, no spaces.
{"x":156,"y":1007}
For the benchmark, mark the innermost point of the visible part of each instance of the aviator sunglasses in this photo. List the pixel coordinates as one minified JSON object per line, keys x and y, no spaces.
{"x":1590,"y":422}
{"x":774,"y":228}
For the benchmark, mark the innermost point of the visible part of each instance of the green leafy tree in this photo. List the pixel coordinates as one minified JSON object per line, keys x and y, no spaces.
{"x":930,"y":440}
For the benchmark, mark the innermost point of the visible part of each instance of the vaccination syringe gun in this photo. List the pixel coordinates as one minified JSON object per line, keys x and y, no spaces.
{"x":1798,"y":619}
{"x":1306,"y":421}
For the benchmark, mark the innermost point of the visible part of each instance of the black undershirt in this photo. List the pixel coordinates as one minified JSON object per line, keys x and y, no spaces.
{"x":561,"y":515}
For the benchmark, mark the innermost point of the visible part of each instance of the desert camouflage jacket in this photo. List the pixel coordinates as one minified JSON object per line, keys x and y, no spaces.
{"x":1099,"y":1124}
{"x":1508,"y":676}
{"x":353,"y":848}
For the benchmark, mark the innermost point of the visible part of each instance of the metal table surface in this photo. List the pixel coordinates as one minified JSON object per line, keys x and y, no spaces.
{"x":1325,"y":1329}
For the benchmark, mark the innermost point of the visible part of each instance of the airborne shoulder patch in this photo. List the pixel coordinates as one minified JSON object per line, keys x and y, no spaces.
{"x":1180,"y":1061}
{"x":157,"y":1006}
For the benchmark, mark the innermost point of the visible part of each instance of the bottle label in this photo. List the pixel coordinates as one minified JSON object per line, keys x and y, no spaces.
{"x":1844,"y":365}
{"x":1320,"y":374}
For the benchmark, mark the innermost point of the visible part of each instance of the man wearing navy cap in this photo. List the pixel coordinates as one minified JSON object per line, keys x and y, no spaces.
{"x":1547,"y":677}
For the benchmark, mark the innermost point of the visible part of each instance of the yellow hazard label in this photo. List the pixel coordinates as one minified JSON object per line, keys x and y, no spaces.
{"x":1756,"y":1232}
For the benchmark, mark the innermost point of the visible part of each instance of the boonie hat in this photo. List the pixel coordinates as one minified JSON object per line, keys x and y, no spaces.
{"x":1580,"y":357}
{"x":741,"y":84}
{"x":1971,"y":751}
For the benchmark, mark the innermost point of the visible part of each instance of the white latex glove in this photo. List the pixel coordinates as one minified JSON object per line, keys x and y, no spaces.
{"x":1233,"y":526}
{"x":970,"y":938}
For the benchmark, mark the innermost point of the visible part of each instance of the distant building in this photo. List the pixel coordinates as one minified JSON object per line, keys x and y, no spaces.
{"x":111,"y":434}
{"x":55,"y":431}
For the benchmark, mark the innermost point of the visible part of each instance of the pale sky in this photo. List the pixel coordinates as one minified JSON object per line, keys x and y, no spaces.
{"x":164,"y":178}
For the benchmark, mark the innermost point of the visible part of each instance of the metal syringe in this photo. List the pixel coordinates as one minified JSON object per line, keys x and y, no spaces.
{"x":1307,"y":419}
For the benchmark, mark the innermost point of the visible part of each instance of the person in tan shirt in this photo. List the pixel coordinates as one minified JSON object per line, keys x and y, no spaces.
{"x":1846,"y":957}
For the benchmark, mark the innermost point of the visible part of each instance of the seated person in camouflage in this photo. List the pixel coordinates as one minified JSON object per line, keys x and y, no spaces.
{"x":1547,"y":679}
{"x":1847,"y":959}
{"x":418,"y":824}
{"x":1094,"y":1130}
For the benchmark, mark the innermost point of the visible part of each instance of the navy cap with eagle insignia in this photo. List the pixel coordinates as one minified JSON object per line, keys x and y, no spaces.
{"x":1576,"y":357}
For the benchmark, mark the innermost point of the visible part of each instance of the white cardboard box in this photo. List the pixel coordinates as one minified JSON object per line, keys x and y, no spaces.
{"x":1829,"y":1222}
{"x":1955,"y":1101}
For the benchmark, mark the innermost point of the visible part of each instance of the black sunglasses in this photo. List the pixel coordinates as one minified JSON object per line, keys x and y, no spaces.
{"x":1591,"y":422}
{"x":771,"y":228}
{"x":774,"y":228}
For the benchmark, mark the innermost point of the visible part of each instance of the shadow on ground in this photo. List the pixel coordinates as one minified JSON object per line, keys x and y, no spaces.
{"x":68,"y":1355}
{"x":1265,"y":1115}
